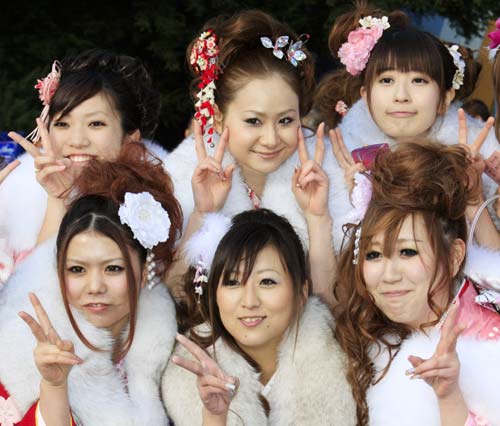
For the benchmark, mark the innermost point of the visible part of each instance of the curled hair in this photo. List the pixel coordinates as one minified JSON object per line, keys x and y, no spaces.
{"x":423,"y":180}
{"x":100,"y":189}
{"x":401,"y":47}
{"x":122,"y":79}
{"x":243,"y":58}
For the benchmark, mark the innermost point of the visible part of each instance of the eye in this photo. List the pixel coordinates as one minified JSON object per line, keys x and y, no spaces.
{"x":76,"y":269}
{"x":420,"y":80}
{"x":97,"y":124}
{"x":386,"y":80}
{"x":252,"y":121}
{"x":286,"y":120}
{"x":114,"y":268}
{"x":268,"y":282}
{"x":372,"y":255}
{"x":60,"y":124}
{"x":232,"y":282}
{"x":407,"y":252}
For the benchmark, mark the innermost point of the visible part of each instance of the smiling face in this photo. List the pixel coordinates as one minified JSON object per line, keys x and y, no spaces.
{"x":399,"y":283}
{"x":90,"y":130}
{"x":405,"y":104}
{"x":96,"y":280}
{"x":257,"y":313}
{"x":263,"y":120}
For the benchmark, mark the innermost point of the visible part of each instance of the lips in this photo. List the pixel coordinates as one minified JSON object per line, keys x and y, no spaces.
{"x":253,"y":321}
{"x":268,"y":155}
{"x":96,"y":307}
{"x":395,"y":293}
{"x":402,"y":114}
{"x":80,"y":158}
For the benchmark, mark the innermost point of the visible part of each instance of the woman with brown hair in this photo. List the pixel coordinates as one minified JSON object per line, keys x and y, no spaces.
{"x":103,"y":330}
{"x":396,"y":281}
{"x":266,"y":354}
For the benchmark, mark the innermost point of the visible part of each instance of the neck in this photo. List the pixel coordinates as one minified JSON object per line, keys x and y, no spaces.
{"x":266,"y":359}
{"x":256,"y":181}
{"x":117,"y":333}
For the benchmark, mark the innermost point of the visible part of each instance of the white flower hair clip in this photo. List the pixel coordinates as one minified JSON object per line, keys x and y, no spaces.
{"x":150,"y":224}
{"x":458,"y":78}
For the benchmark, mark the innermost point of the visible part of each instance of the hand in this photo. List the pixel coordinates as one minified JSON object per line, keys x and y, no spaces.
{"x":215,"y":388}
{"x":8,"y":169}
{"x":54,"y":357}
{"x":54,"y":174}
{"x":210,"y":182}
{"x":309,"y":181}
{"x":441,"y":371}
{"x":344,"y":159}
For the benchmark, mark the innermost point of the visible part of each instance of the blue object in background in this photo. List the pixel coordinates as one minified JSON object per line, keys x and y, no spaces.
{"x":9,"y":150}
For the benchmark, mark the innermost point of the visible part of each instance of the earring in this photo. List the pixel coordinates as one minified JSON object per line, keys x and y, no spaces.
{"x":151,"y":278}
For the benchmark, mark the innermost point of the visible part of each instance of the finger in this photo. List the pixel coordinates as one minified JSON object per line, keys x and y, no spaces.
{"x":443,"y":373}
{"x":228,"y":173}
{"x":44,"y":135}
{"x":216,"y":382}
{"x":201,"y":152}
{"x":462,"y":127}
{"x":194,"y":349}
{"x":312,"y":177}
{"x":49,"y":170}
{"x":192,"y":366}
{"x":301,"y":147}
{"x":58,"y":358}
{"x":310,"y":166}
{"x":337,"y":152}
{"x":26,"y":144}
{"x":53,"y":336}
{"x":221,"y":146}
{"x":36,"y":329}
{"x":295,"y":177}
{"x":345,"y":152}
{"x":8,"y":169}
{"x":447,"y":334}
{"x":207,"y":391}
{"x":319,"y":152}
{"x":206,"y":166}
{"x":42,"y":316}
{"x":483,"y":134}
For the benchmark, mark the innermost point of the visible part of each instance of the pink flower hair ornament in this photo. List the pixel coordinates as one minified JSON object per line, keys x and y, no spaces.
{"x":46,"y":89}
{"x":203,"y":59}
{"x":355,"y":52}
{"x":494,"y":36}
{"x":341,"y":108}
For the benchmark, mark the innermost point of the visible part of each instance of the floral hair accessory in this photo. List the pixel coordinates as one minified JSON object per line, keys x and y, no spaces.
{"x":458,"y":78}
{"x":341,"y":107}
{"x":146,"y":217}
{"x":204,"y":58}
{"x":360,"y":199}
{"x":355,"y":52}
{"x":46,"y":89}
{"x":294,"y":53}
{"x":200,"y":278}
{"x":494,"y":36}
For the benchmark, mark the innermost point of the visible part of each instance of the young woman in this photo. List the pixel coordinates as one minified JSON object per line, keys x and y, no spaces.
{"x":398,"y":276}
{"x":399,"y":83}
{"x":103,"y":335}
{"x":94,"y":104}
{"x":257,"y":80}
{"x":266,"y":354}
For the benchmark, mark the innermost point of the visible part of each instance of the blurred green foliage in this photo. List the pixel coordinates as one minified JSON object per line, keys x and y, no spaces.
{"x":33,"y":34}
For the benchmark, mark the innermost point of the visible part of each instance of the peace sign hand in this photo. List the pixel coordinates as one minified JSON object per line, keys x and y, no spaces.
{"x":309,"y":181}
{"x":54,"y":174}
{"x":344,"y":158}
{"x":8,"y":169}
{"x":441,"y":371}
{"x":216,"y":389}
{"x":54,"y":357}
{"x":210,"y":182}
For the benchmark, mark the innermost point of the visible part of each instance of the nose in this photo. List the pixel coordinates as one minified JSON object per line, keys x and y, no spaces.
{"x":96,"y":283}
{"x":401,"y":92}
{"x":271,"y":138}
{"x":79,"y":137}
{"x":392,"y":272}
{"x":250,"y":298}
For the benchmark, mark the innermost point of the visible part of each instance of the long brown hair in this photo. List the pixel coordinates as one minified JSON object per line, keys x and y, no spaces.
{"x":101,"y":188}
{"x":496,"y":87}
{"x":422,"y":179}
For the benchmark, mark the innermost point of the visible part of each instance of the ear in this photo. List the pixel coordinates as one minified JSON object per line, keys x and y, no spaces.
{"x":135,"y":136}
{"x":218,"y":120}
{"x":144,"y":277}
{"x":363,"y":92}
{"x":448,"y":99}
{"x":457,"y":255}
{"x":305,"y":293}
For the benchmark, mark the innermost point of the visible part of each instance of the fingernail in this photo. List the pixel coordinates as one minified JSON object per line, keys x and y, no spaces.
{"x":410,"y":371}
{"x":415,"y":376}
{"x":230,"y":386}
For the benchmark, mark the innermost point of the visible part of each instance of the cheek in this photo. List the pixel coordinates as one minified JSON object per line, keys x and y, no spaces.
{"x":74,"y":289}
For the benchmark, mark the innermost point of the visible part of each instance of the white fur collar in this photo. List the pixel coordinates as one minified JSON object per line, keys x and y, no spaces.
{"x":483,"y":266}
{"x":96,"y":392}
{"x":309,"y":386}
{"x":23,"y":202}
{"x":397,"y":400}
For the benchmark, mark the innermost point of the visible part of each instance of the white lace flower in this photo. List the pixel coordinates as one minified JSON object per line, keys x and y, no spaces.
{"x":370,"y":22}
{"x":146,"y":217}
{"x":458,"y":78}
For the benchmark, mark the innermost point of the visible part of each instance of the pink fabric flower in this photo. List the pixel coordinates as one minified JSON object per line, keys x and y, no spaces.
{"x":48,"y":86}
{"x":9,"y":413}
{"x":360,"y":197}
{"x":495,"y":36}
{"x":474,"y":420}
{"x":354,"y":54}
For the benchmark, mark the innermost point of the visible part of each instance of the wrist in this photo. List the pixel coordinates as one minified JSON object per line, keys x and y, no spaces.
{"x":54,"y":386}
{"x":211,"y":419}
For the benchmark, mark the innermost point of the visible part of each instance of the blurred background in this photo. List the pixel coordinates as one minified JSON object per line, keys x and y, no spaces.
{"x":33,"y":34}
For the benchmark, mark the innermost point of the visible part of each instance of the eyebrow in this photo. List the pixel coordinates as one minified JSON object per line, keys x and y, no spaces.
{"x":263,"y":113}
{"x":399,"y":240}
{"x":74,"y":260}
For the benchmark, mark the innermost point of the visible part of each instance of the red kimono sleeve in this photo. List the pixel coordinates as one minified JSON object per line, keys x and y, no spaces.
{"x":10,"y":414}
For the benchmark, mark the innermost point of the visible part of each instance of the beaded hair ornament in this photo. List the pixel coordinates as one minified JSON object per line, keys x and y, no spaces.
{"x":46,"y":89}
{"x":294,"y":53}
{"x":360,"y":199}
{"x":150,"y":224}
{"x":203,"y":59}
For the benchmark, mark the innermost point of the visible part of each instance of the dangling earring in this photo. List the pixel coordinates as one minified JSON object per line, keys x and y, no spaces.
{"x":151,"y":278}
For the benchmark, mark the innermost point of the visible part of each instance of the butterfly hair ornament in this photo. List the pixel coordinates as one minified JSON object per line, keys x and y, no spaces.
{"x":294,"y":53}
{"x":46,"y":89}
{"x":204,"y":60}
